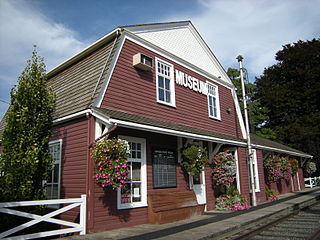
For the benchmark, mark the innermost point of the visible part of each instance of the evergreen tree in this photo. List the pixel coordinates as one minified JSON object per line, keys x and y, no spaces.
{"x":25,"y":161}
{"x":290,"y":89}
{"x":256,"y":112}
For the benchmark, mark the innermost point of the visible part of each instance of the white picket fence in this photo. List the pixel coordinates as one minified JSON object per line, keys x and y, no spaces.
{"x":71,"y":226}
{"x":312,"y":182}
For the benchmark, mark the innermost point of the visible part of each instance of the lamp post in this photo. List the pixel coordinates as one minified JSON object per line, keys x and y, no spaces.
{"x":250,"y":153}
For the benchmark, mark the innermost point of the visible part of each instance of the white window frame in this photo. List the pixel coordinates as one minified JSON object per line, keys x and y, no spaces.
{"x":143,"y":202}
{"x":238,"y":172}
{"x":216,"y":97}
{"x":255,"y":170}
{"x":59,"y":141}
{"x":172,"y":102}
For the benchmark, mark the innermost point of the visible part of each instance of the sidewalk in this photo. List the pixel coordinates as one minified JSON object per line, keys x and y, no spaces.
{"x":212,"y":225}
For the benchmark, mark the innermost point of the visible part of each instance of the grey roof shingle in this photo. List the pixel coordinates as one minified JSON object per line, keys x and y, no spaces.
{"x":257,"y":140}
{"x":74,"y":86}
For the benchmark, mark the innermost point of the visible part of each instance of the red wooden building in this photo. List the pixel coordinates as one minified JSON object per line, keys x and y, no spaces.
{"x":159,"y":87}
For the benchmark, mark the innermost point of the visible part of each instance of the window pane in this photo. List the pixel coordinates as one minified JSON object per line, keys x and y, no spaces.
{"x":168,"y":96}
{"x":54,"y":191}
{"x":133,"y":154}
{"x":56,"y":173}
{"x":136,"y":192}
{"x":133,"y":146}
{"x":139,"y":154}
{"x":210,"y":111}
{"x":136,"y":171}
{"x":210,"y":100}
{"x":161,"y":82}
{"x":161,"y":94}
{"x":138,"y":146}
{"x":167,"y":81}
{"x":126,"y":193}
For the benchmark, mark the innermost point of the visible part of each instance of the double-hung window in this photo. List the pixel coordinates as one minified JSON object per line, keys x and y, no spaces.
{"x":53,"y":182}
{"x":213,"y":101}
{"x":165,"y":83}
{"x":134,"y":192}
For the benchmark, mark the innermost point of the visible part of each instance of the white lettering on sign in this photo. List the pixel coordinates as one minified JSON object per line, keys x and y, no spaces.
{"x":193,"y":83}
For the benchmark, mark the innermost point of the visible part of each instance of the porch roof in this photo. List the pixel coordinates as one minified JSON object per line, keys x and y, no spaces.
{"x":154,"y":125}
{"x":266,"y":144}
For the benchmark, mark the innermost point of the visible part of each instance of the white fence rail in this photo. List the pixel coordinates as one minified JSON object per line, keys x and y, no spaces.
{"x":71,"y":226}
{"x":312,"y":182}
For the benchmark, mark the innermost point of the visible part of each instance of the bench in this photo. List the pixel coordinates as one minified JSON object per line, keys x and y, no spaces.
{"x":165,"y":207}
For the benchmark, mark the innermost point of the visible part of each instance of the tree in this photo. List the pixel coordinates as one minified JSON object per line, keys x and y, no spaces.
{"x":25,"y":161}
{"x":256,"y":112}
{"x":290,"y":90}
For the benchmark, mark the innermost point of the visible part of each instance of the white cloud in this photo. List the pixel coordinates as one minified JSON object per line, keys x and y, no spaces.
{"x":255,"y":29}
{"x":21,"y":27}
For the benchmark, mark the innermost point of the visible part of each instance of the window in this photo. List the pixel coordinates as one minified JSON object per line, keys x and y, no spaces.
{"x":164,"y":169}
{"x":165,"y":83}
{"x":53,"y":183}
{"x":213,"y":101}
{"x":255,"y":170}
{"x":134,"y":192}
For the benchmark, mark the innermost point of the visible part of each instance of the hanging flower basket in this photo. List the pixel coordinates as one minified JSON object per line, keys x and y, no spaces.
{"x":310,"y":168}
{"x":277,"y":168}
{"x":111,"y":166}
{"x":194,"y":159}
{"x":224,"y":169}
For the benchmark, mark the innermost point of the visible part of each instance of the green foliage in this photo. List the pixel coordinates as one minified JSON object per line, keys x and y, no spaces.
{"x":233,"y":200}
{"x":25,"y":161}
{"x":309,"y":168}
{"x":195,"y":159}
{"x":290,"y":90}
{"x":271,"y":195}
{"x":256,"y":111}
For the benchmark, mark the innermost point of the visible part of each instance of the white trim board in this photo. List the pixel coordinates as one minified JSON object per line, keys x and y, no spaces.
{"x":281,"y":151}
{"x":150,"y":128}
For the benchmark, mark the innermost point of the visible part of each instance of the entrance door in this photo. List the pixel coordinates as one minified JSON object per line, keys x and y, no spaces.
{"x":199,"y":187}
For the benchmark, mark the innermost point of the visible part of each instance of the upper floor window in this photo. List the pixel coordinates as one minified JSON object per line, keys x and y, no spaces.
{"x":213,"y":101}
{"x":165,"y":83}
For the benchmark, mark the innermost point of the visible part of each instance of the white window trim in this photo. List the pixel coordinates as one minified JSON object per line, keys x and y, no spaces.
{"x":238,"y":172}
{"x":172,"y":83}
{"x":143,"y":202}
{"x":218,"y":117}
{"x":60,"y":163}
{"x":256,"y":172}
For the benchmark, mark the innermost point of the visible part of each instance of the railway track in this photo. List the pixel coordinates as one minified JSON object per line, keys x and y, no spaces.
{"x":299,"y":225}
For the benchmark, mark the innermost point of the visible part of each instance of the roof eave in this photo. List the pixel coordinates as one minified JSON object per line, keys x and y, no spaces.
{"x":282,"y":151}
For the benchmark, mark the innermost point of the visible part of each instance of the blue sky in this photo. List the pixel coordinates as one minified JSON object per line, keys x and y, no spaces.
{"x":256,"y":29}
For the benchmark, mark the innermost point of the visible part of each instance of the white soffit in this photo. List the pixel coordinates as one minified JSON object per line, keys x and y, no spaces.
{"x":182,"y":40}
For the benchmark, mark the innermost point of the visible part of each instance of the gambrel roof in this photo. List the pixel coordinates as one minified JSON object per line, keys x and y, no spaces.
{"x":80,"y":82}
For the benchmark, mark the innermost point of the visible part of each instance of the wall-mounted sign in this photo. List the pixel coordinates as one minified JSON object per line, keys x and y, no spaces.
{"x":193,"y":83}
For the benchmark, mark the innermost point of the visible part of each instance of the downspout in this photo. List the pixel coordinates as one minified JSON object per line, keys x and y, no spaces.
{"x":250,"y":153}
{"x":118,"y":33}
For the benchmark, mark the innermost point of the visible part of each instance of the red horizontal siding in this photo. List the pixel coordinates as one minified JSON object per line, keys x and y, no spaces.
{"x":134,"y":91}
{"x":74,"y":135}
